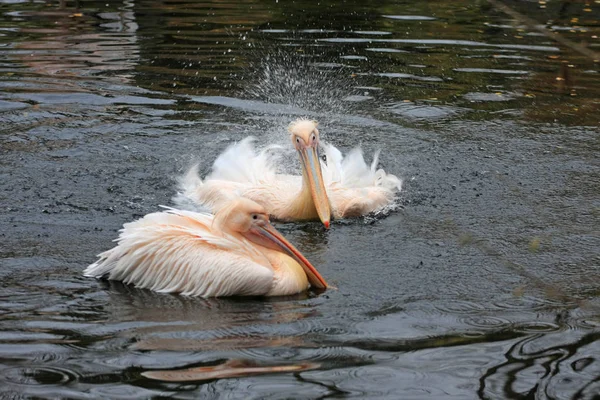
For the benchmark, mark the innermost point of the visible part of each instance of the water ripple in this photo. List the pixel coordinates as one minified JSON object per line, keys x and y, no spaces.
{"x":409,"y":17}
{"x":486,"y":322}
{"x":386,"y":50}
{"x":442,"y":42}
{"x":460,"y":307}
{"x":415,"y":111}
{"x":104,"y":104}
{"x":492,"y":71}
{"x":42,"y":375}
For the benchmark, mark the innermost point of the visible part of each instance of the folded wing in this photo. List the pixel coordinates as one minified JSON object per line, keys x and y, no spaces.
{"x":175,"y":252}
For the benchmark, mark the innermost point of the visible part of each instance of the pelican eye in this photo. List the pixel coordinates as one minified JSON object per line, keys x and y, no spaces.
{"x":314,"y":137}
{"x":254,"y":216}
{"x":297,"y":139}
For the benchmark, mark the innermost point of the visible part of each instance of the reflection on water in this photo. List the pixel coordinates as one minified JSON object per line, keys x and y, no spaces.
{"x":229,"y":369}
{"x":529,"y":368}
{"x":65,"y":44}
{"x":482,"y":283}
{"x":226,"y":48}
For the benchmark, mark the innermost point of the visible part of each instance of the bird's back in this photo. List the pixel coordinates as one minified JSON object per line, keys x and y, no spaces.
{"x":176,"y":252}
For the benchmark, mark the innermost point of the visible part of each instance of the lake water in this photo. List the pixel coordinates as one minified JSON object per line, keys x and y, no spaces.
{"x":482,"y":283}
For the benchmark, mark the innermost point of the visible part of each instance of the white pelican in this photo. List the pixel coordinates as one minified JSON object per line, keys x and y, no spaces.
{"x":342,"y":187}
{"x":236,"y":252}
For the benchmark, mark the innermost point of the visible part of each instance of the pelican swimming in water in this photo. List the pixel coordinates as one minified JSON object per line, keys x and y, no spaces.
{"x":236,"y":252}
{"x":338,"y":187}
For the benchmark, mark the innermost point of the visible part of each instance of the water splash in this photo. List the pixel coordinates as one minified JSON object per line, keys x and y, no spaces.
{"x":297,"y":79}
{"x":383,"y":212}
{"x":296,"y":83}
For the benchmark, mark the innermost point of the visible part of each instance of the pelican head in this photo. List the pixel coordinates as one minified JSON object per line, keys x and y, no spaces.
{"x":305,"y":138}
{"x":245,"y":217}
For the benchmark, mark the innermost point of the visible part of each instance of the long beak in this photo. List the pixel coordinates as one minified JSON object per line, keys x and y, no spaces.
{"x":269,"y":237}
{"x":312,"y":170}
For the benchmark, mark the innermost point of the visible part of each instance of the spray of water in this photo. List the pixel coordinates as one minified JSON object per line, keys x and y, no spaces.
{"x":296,"y":79}
{"x":286,"y":77}
{"x":298,"y":84}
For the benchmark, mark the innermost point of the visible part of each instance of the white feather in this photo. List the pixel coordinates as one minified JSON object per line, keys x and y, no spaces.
{"x":332,"y":166}
{"x":353,"y":187}
{"x":176,"y":251}
{"x":240,"y":163}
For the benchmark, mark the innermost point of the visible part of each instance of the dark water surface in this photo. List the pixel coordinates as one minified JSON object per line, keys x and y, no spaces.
{"x":483,"y":284}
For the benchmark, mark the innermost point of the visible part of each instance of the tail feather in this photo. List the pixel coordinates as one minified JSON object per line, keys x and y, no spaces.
{"x":375,"y":160}
{"x":188,"y":185}
{"x":101,"y":268}
{"x":190,"y":181}
{"x":240,"y":163}
{"x":388,"y":181}
{"x":353,"y":172}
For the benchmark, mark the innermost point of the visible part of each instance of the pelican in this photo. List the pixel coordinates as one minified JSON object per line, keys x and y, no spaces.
{"x":338,"y":187}
{"x":236,"y":252}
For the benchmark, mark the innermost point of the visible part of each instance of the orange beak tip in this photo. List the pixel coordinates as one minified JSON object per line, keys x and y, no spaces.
{"x":326,"y":224}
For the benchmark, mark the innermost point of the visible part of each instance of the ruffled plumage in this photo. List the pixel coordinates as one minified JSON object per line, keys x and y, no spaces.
{"x":353,"y":187}
{"x":177,"y":251}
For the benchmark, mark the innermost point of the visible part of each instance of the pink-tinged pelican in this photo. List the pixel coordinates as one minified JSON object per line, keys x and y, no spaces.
{"x":339,"y":187}
{"x":235,"y":253}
